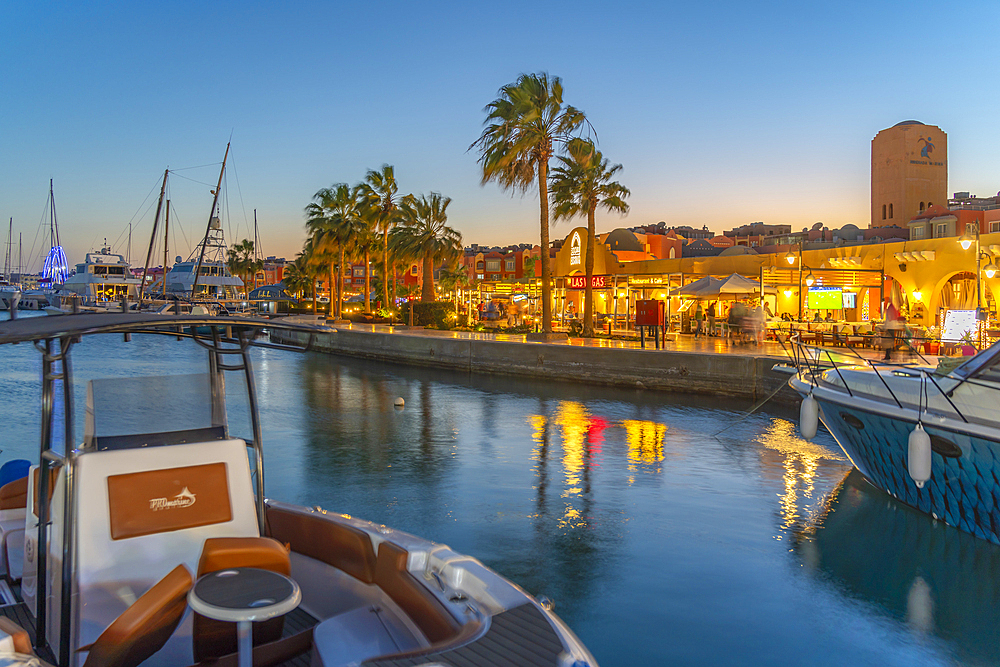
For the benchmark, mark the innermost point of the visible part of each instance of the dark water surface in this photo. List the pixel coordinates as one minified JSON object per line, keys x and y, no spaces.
{"x":659,"y":543}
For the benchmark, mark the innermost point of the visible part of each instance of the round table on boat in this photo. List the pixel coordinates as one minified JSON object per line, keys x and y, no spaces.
{"x":243,"y":595}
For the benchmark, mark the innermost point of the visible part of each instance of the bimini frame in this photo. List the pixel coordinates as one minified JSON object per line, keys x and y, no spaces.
{"x":54,"y":338}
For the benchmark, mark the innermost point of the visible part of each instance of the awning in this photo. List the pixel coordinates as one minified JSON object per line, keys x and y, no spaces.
{"x":709,"y":287}
{"x":271,"y":293}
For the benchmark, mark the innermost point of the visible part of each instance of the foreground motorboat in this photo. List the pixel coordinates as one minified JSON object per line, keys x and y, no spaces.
{"x":929,"y":439}
{"x":108,"y":535}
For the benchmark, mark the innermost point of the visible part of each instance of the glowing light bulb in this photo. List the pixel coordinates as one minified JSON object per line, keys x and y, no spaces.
{"x":990,"y":270}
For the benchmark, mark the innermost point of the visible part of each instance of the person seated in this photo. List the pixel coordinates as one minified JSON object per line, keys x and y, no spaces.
{"x":829,"y":317}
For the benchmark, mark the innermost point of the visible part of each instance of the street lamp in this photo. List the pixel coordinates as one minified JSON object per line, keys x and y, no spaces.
{"x":790,"y":257}
{"x":966,"y":241}
{"x":809,"y":278}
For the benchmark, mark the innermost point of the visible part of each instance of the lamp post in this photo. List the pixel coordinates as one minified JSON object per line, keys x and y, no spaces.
{"x":990,"y":270}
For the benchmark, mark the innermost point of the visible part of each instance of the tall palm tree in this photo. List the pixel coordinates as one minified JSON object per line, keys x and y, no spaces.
{"x":332,"y":218}
{"x":523,"y":127}
{"x":242,"y":261}
{"x":298,"y":275}
{"x":381,"y":193}
{"x":581,"y":183}
{"x":365,"y":242}
{"x":425,"y":233}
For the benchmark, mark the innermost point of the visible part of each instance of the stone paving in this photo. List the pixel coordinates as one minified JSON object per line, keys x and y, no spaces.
{"x":674,"y":343}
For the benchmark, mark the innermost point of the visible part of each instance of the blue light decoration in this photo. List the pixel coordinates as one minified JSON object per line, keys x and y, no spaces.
{"x":55,"y":270}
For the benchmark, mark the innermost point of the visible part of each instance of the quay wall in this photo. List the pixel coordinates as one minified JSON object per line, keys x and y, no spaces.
{"x":743,"y":376}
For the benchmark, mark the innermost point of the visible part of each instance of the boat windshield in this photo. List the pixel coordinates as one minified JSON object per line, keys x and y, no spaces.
{"x":148,"y":411}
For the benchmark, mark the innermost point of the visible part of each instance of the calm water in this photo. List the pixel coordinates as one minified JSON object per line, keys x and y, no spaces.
{"x":659,"y":542}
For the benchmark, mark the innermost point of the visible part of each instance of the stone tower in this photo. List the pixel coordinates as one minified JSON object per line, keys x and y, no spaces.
{"x":909,"y":172}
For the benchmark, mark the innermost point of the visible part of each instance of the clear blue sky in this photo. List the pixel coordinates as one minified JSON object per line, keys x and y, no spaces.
{"x":721,"y":113}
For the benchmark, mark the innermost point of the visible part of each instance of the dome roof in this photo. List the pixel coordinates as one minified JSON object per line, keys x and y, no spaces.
{"x":908,"y":122}
{"x":623,"y":239}
{"x":737,"y":250}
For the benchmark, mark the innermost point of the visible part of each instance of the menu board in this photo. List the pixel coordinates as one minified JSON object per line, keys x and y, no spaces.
{"x":957,"y":323}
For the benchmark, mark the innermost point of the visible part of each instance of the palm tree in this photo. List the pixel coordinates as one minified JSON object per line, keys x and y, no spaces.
{"x":425,"y":233}
{"x":333,"y":220}
{"x":243,"y":262}
{"x":380,"y":192}
{"x":580,"y":183}
{"x":365,"y":241}
{"x":523,"y":125}
{"x":297,"y":277}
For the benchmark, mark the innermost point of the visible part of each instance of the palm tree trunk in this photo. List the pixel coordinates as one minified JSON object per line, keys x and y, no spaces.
{"x":385,"y":267}
{"x":543,"y":200}
{"x":312,"y":281}
{"x":329,"y":312}
{"x":340,"y":285}
{"x":588,"y":292}
{"x":427,"y":293}
{"x":368,"y":283}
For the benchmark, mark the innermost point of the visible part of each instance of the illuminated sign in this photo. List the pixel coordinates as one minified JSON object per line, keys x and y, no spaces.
{"x":574,"y":249}
{"x":958,"y":324}
{"x":653,"y":280}
{"x":580,"y":282}
{"x":825,"y":298}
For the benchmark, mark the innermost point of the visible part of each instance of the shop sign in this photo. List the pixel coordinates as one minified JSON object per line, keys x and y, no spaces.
{"x":649,"y":280}
{"x":580,"y":282}
{"x":503,"y":288}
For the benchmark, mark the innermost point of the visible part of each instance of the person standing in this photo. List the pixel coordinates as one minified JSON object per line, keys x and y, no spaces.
{"x":893,"y":325}
{"x":711,"y":318}
{"x":699,"y":315}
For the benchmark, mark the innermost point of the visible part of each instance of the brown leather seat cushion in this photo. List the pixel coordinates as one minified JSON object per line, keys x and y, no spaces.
{"x":22,"y":642}
{"x":145,"y":627}
{"x":426,"y":611}
{"x":220,"y":553}
{"x":336,"y":544}
{"x":212,"y":638}
{"x":14,"y":495}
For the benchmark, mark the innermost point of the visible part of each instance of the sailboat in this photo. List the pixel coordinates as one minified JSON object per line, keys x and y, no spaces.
{"x":10,"y":293}
{"x":205,"y":274}
{"x":55,"y":268}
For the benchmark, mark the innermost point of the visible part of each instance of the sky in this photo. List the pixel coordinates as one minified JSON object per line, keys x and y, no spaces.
{"x":721,"y":113}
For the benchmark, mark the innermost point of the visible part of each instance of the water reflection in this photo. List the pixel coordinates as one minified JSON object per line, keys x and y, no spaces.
{"x":935,"y":579}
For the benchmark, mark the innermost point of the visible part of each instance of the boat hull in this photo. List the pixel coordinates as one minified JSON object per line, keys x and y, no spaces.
{"x":964,"y":487}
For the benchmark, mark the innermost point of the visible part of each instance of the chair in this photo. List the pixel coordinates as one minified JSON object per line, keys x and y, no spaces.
{"x":12,"y":470}
{"x":212,"y":638}
{"x":144,"y":627}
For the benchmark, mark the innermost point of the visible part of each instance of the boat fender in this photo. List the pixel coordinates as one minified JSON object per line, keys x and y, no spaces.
{"x":399,"y":402}
{"x":918,"y":460}
{"x":808,"y":417}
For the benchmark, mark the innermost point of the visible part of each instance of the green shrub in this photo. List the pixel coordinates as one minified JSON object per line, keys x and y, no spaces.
{"x":438,"y":314}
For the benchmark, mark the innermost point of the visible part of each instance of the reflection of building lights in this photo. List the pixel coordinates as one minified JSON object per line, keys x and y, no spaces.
{"x":644,"y":440}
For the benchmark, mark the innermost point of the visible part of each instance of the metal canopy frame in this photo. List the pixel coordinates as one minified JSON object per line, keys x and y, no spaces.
{"x":54,"y":337}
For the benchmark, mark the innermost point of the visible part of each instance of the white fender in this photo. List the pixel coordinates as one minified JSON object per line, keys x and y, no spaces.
{"x":808,"y":417}
{"x":918,"y":459}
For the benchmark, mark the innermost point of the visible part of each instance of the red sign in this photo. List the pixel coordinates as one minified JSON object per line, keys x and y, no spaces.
{"x":649,"y":312}
{"x":580,"y":282}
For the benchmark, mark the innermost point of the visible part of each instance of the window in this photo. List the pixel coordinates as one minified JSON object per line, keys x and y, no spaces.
{"x":493,"y":265}
{"x":413,"y":270}
{"x":941,"y":230}
{"x":509,"y":265}
{"x":359,"y":271}
{"x":479,"y":265}
{"x":921,"y":207}
{"x":890,"y":211}
{"x":995,"y":226}
{"x":917,"y":232}
{"x":494,"y":276}
{"x":883,"y":211}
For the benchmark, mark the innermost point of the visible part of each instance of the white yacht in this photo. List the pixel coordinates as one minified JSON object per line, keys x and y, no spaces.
{"x":104,"y":277}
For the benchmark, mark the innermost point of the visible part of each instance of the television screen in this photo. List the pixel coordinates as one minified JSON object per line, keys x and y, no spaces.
{"x":850,"y":300}
{"x":825,"y":298}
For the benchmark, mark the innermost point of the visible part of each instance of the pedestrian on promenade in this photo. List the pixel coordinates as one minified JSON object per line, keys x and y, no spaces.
{"x":480,"y":307}
{"x":893,"y":326}
{"x":699,"y":315}
{"x":711,"y":318}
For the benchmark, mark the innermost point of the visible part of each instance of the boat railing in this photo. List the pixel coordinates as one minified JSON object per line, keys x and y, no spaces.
{"x":814,"y":363}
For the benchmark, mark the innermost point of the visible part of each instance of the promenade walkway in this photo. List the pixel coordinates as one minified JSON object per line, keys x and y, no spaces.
{"x":674,"y":343}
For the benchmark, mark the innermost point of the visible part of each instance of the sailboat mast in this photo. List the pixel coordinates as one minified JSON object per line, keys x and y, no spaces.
{"x":53,"y":224}
{"x":20,"y":265}
{"x":166,"y":232}
{"x":208,"y":229}
{"x":152,"y":238}
{"x":257,"y":254}
{"x":128,"y":254}
{"x":10,"y":239}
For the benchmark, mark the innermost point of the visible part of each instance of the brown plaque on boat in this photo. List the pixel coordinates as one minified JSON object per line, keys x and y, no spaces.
{"x":159,"y":501}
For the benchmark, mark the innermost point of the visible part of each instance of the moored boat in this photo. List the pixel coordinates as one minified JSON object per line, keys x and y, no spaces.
{"x":930,"y":439}
{"x":159,"y":493}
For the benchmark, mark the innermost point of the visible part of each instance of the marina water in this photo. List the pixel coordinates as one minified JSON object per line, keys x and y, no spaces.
{"x":660,"y":539}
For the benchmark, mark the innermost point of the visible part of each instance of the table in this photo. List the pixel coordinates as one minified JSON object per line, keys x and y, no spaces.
{"x":243,"y":595}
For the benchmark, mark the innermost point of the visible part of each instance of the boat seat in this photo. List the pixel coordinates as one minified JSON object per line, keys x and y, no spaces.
{"x":354,"y":636}
{"x":13,"y":504}
{"x":344,"y":547}
{"x":412,"y":597}
{"x":14,"y":469}
{"x":145,"y":626}
{"x":212,"y":638}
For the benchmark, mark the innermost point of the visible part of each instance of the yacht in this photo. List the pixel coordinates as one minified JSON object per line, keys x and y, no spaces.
{"x":103,"y":278}
{"x":930,"y":439}
{"x":10,"y":296}
{"x":215,"y":281}
{"x":151,"y":539}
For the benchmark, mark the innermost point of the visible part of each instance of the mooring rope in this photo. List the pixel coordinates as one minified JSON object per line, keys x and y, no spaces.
{"x":751,"y":410}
